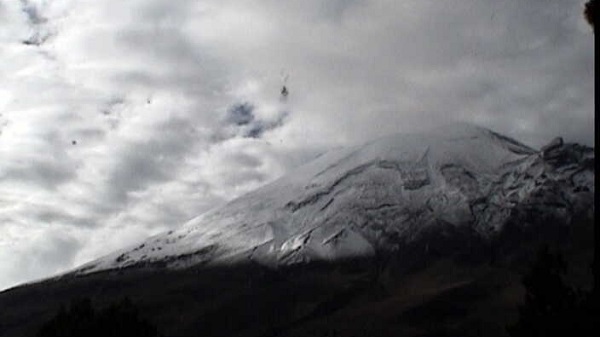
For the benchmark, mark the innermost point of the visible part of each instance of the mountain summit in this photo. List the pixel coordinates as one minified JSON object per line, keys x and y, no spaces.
{"x":378,"y":198}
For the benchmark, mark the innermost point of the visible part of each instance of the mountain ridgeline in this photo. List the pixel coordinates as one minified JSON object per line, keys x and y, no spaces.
{"x":412,"y":234}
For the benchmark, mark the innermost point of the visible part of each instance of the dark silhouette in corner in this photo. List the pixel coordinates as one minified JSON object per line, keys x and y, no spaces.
{"x":552,"y":306}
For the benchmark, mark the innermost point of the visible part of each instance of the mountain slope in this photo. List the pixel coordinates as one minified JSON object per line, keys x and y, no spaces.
{"x":417,"y":235}
{"x":374,"y":198}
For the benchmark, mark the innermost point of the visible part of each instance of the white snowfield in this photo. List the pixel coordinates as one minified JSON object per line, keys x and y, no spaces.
{"x":359,"y":200}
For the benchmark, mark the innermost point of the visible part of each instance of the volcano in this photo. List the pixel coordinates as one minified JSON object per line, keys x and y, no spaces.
{"x":410,"y":234}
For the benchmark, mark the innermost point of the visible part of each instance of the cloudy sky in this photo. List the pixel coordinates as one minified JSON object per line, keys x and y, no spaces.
{"x":121,"y":119}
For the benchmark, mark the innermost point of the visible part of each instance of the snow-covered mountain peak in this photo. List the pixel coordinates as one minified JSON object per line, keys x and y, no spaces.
{"x":374,"y":197}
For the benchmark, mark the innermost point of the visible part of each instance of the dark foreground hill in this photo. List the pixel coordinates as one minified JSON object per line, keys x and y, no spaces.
{"x":412,"y":235}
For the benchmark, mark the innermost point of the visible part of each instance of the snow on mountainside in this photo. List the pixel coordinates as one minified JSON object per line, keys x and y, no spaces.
{"x":376,"y":197}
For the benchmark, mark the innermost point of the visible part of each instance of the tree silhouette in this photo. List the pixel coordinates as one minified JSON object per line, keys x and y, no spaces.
{"x":590,"y":12}
{"x":81,"y":320}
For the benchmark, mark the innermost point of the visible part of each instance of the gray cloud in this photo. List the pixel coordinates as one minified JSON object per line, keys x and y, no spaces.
{"x":43,"y":253}
{"x":240,"y":120}
{"x":32,"y":12}
{"x":241,"y":114}
{"x":36,"y":21}
{"x":146,"y":88}
{"x":150,"y":161}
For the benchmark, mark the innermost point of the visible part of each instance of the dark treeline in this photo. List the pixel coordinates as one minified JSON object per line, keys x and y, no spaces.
{"x":552,"y":306}
{"x":81,"y":319}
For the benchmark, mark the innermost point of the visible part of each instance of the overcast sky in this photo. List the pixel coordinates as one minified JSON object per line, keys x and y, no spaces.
{"x":124,"y":118}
